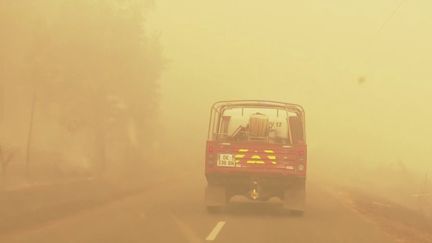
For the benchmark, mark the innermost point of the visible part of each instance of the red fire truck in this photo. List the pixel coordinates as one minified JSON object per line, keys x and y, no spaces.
{"x":256,"y":149}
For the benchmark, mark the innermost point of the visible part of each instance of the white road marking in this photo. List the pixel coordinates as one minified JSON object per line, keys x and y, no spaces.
{"x":212,"y":236}
{"x":186,"y":231}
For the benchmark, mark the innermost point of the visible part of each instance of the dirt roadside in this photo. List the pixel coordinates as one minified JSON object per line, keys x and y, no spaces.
{"x":32,"y":206}
{"x":402,"y":223}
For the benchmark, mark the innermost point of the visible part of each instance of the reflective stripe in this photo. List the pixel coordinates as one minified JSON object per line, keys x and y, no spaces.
{"x":255,"y":162}
{"x":240,"y":156}
{"x":272,"y":157}
{"x":274,"y":162}
{"x":269,"y":151}
{"x":243,"y":150}
{"x":256,"y":157}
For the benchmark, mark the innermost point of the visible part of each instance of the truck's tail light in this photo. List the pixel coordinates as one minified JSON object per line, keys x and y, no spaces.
{"x":211,"y":158}
{"x":301,"y":161}
{"x":210,"y":155}
{"x":301,"y":167}
{"x":301,"y":156}
{"x":210,"y":148}
{"x":301,"y":153}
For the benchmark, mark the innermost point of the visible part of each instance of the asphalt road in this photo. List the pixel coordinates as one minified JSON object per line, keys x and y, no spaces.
{"x":174,"y":212}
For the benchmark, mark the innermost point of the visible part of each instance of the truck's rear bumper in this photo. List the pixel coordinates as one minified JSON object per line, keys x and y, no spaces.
{"x":246,"y":178}
{"x":289,"y":189}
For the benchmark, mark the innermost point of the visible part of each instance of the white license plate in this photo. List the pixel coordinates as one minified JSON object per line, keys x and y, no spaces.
{"x":226,"y":160}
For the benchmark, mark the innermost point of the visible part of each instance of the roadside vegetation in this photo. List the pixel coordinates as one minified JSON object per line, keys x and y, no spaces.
{"x":78,"y":87}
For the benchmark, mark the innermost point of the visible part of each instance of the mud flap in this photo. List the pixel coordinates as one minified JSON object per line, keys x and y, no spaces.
{"x":215,"y":196}
{"x":294,"y":199}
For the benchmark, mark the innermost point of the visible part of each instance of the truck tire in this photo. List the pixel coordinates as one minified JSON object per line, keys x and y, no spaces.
{"x":294,"y":199}
{"x":215,"y":198}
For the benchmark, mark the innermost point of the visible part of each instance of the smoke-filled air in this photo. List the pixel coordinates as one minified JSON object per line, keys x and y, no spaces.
{"x":215,"y":121}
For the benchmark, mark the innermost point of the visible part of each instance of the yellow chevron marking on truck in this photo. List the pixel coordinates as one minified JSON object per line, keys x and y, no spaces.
{"x":274,"y":162}
{"x":240,"y":156}
{"x":256,"y":157}
{"x":243,"y":150}
{"x":271,"y":157}
{"x":255,"y":162}
{"x":269,"y":151}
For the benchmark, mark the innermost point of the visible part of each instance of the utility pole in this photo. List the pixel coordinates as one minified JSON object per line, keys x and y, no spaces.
{"x":2,"y":100}
{"x":38,"y":56}
{"x":30,"y":134}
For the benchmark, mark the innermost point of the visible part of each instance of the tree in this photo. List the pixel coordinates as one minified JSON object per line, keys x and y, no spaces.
{"x":79,"y":55}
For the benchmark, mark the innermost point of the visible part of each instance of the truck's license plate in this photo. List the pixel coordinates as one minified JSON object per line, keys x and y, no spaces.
{"x":226,"y":160}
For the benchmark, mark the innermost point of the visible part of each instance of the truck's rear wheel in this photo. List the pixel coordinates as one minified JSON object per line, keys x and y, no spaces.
{"x":215,"y":198}
{"x":294,"y":199}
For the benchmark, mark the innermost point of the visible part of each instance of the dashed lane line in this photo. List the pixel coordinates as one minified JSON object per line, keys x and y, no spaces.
{"x":216,"y":230}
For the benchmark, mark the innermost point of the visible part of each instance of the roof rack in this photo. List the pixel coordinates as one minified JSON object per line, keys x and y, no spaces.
{"x":256,"y":103}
